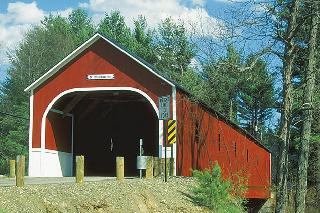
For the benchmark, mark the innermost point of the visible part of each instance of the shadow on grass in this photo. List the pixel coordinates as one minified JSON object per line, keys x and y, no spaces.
{"x":191,"y":198}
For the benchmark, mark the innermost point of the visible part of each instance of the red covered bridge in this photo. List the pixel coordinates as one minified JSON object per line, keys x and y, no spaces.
{"x":100,"y":100}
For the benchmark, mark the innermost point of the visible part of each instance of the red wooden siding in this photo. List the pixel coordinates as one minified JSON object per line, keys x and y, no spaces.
{"x":100,"y":58}
{"x":198,"y":147}
{"x":58,"y":132}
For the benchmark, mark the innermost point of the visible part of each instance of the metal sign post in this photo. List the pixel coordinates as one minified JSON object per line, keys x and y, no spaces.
{"x":140,"y":154}
{"x":165,"y":152}
{"x":164,"y":114}
{"x":172,"y":131}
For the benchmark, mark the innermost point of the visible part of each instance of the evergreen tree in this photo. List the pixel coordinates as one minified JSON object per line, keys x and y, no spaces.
{"x":114,"y":27}
{"x":256,"y":98}
{"x":144,"y":40}
{"x":223,"y":79}
{"x":81,"y":26}
{"x":173,"y":48}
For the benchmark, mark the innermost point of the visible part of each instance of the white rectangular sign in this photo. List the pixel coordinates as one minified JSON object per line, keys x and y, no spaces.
{"x":101,"y":77}
{"x":164,"y":107}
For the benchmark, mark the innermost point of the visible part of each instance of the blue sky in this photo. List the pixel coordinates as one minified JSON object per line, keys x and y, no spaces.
{"x":16,"y":17}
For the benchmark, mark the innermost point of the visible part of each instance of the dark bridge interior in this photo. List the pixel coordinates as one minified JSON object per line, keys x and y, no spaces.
{"x":109,"y":124}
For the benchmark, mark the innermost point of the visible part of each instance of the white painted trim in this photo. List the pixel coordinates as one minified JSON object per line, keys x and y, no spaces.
{"x":174,"y":103}
{"x":57,"y":164}
{"x":46,"y":150}
{"x":51,"y":151}
{"x":161,"y":138}
{"x":30,"y":124}
{"x":77,"y":52}
{"x":43,"y":121}
{"x":72,"y":138}
{"x":60,"y":112}
{"x":174,"y":117}
{"x":34,"y":162}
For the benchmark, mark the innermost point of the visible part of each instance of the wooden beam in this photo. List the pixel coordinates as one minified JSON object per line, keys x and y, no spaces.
{"x":106,"y":112}
{"x":89,"y":109}
{"x":73,"y":102}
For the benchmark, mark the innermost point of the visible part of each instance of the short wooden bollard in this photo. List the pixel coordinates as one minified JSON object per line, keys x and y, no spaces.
{"x":156,"y":167}
{"x":12,"y":171}
{"x":20,"y":170}
{"x":120,"y":168}
{"x":79,"y":169}
{"x":171,"y":165}
{"x":149,"y":169}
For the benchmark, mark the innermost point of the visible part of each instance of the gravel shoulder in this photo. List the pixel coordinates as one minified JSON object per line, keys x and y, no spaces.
{"x":109,"y":195}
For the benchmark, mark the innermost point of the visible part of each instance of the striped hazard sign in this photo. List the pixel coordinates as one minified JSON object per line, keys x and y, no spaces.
{"x":172,"y":130}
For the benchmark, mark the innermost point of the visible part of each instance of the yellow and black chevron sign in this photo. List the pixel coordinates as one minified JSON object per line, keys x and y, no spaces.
{"x":172,"y":131}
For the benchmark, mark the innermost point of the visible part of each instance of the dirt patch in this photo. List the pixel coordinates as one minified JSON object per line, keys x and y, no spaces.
{"x":130,"y":195}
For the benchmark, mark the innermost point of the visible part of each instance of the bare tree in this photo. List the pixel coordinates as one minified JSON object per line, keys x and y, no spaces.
{"x":284,"y":133}
{"x":307,"y":111}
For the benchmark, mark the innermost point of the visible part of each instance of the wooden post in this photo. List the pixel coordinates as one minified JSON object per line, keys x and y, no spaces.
{"x":79,"y":169}
{"x":171,"y":164}
{"x":12,"y":172}
{"x":120,"y":168}
{"x":149,"y":169}
{"x":20,"y":170}
{"x":156,"y":167}
{"x":164,"y":166}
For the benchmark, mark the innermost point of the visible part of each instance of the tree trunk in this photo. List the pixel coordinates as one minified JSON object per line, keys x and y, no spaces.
{"x":317,"y":147}
{"x":284,"y":134}
{"x":307,"y":115}
{"x":231,"y":110}
{"x":282,"y":171}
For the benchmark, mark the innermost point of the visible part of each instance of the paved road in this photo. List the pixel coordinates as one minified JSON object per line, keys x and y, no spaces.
{"x":4,"y":181}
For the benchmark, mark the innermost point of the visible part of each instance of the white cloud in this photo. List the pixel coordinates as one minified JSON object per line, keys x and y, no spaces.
{"x":63,"y":13}
{"x":15,"y":22}
{"x":9,"y":38}
{"x":20,"y":16}
{"x":24,"y":13}
{"x":198,"y":2}
{"x":156,"y":11}
{"x":198,"y":22}
{"x":230,"y":1}
{"x":260,"y":7}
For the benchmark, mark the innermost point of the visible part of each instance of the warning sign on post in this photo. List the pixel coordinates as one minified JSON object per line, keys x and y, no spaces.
{"x":172,"y":131}
{"x":164,"y":107}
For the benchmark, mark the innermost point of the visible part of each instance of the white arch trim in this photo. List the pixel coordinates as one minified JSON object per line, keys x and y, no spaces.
{"x":87,"y":89}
